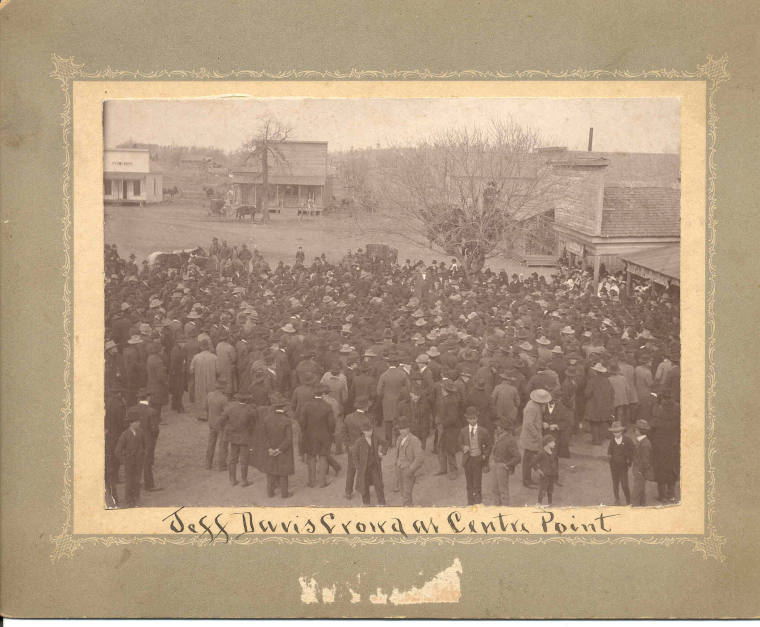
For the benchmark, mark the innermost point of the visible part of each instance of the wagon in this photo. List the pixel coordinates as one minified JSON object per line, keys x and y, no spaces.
{"x":382,"y":252}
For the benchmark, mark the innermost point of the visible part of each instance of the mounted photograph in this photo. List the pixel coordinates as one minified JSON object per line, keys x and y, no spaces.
{"x":428,"y":302}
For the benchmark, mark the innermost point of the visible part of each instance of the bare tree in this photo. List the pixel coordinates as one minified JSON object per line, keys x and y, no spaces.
{"x":465,"y":191}
{"x":265,"y":144}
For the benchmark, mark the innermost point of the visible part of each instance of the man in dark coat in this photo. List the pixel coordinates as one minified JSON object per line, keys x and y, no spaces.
{"x":620,"y":452}
{"x":115,"y":423}
{"x":157,"y":378}
{"x":449,"y":414}
{"x":317,"y":425}
{"x":475,"y":442}
{"x":666,"y":441}
{"x":238,"y":421}
{"x":352,"y":431}
{"x":368,"y":451}
{"x":130,"y":449}
{"x":642,"y":462}
{"x":278,"y":441}
{"x":600,"y":402}
{"x":148,"y":418}
{"x":177,"y":375}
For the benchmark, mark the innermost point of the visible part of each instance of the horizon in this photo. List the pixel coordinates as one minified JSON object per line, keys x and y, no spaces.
{"x":649,"y":125}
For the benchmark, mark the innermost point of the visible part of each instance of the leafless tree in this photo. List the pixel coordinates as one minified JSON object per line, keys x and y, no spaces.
{"x":265,"y":145}
{"x":466,"y":190}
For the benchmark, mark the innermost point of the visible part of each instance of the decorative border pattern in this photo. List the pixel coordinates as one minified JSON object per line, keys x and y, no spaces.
{"x":66,"y":70}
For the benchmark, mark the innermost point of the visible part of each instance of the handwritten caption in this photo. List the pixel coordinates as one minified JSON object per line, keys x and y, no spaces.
{"x":224,"y":527}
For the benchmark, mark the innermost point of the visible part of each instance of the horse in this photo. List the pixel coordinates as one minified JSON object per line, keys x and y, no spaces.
{"x":241,"y":211}
{"x":171,"y":192}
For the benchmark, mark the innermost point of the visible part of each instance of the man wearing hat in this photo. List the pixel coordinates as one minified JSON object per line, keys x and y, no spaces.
{"x":531,"y":434}
{"x":317,"y":426}
{"x":409,"y":459}
{"x":203,"y":375}
{"x":448,"y":416}
{"x":130,"y":450}
{"x":148,"y":419}
{"x":620,"y":453}
{"x":238,"y":421}
{"x":278,"y":440}
{"x":547,"y":464}
{"x":367,"y":452}
{"x":506,"y":401}
{"x":352,"y":430}
{"x":475,"y":443}
{"x":157,"y":379}
{"x":134,"y":369}
{"x":642,"y":462}
{"x":600,"y":401}
{"x":390,"y":386}
{"x":506,"y":456}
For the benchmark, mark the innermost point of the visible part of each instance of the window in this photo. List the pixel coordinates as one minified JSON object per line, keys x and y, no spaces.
{"x":136,"y":188}
{"x":107,"y":187}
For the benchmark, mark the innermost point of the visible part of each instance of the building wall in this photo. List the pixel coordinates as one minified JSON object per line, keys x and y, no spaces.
{"x":137,"y":161}
{"x":581,"y":209}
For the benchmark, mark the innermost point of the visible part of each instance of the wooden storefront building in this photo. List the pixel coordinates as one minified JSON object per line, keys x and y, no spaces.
{"x":297,"y":176}
{"x":129,"y":177}
{"x":618,"y":204}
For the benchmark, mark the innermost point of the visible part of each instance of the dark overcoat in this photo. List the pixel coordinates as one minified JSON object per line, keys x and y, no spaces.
{"x":277,"y":433}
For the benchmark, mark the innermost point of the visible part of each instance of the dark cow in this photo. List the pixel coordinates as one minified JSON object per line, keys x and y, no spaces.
{"x":241,"y":211}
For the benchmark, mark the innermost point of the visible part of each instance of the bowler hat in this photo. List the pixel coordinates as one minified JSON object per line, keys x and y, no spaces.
{"x":470,"y":412}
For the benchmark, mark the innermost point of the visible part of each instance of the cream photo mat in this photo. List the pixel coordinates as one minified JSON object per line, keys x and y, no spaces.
{"x":89,"y":514}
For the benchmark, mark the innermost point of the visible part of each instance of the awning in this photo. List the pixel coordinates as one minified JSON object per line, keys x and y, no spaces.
{"x":661,"y":264}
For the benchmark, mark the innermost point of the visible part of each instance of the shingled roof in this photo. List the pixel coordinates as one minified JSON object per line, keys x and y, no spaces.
{"x":641,"y":211}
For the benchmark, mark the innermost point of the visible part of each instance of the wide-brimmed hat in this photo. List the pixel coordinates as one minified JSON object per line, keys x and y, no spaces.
{"x":423,"y":358}
{"x":110,"y":344}
{"x":526,"y":346}
{"x":135,"y":339}
{"x":599,"y":368}
{"x":193,"y":315}
{"x":420,"y":322}
{"x":433,"y":351}
{"x":642,"y":425}
{"x":617,"y":427}
{"x":540,"y":396}
{"x":543,"y":340}
{"x":557,"y":350}
{"x":288,"y":328}
{"x":125,"y":306}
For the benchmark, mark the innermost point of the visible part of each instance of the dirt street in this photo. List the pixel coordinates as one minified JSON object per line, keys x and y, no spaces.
{"x":180,"y":471}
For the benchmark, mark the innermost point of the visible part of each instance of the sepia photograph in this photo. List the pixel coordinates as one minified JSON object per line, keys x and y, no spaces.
{"x":348,"y":302}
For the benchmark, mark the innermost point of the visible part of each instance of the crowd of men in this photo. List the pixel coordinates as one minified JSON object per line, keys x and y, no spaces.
{"x":373,"y":357}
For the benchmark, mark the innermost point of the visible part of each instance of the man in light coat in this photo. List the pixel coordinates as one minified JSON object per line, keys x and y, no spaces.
{"x":203,"y":371}
{"x":409,"y":460}
{"x":531,"y":435}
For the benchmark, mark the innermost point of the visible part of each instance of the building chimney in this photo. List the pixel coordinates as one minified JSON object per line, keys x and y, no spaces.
{"x":590,"y":138}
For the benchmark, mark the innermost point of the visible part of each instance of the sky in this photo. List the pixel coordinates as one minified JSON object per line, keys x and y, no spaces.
{"x":620,"y":124}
